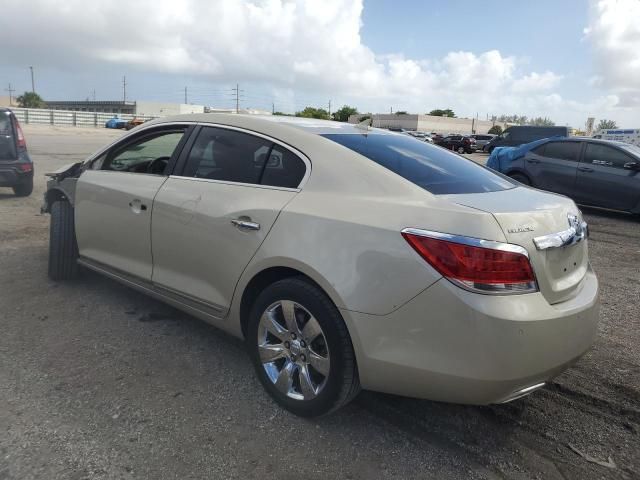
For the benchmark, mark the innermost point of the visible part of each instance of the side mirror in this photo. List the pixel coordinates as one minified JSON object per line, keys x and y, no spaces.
{"x":632,"y":166}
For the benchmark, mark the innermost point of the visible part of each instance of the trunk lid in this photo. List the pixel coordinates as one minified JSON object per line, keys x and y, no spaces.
{"x":524,"y":214}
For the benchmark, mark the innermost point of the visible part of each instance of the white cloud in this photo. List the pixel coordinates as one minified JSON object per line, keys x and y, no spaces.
{"x":614,"y":36}
{"x":305,"y":47}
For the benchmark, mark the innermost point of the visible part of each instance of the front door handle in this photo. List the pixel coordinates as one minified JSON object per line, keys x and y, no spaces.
{"x":533,"y":160}
{"x":585,"y":169}
{"x":245,"y":223}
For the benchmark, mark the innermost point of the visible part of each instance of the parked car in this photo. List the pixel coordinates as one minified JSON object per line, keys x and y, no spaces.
{"x":593,"y":172}
{"x":133,"y":123}
{"x":425,"y":137}
{"x":519,"y":135}
{"x":458,"y":143}
{"x":16,"y":167}
{"x":482,"y":140}
{"x":115,"y":122}
{"x":391,"y":265}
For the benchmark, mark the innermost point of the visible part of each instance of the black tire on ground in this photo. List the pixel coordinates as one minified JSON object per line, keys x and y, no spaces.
{"x":461,"y":150}
{"x":63,"y":249}
{"x":23,"y":189}
{"x":342,"y":384}
{"x":519,"y":177}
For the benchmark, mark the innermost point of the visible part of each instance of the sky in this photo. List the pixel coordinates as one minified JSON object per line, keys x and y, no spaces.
{"x":566,"y":60}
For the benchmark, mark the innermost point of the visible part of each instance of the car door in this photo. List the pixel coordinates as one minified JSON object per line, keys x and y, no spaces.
{"x":553,"y":165}
{"x":114,"y":200}
{"x":604,"y":181}
{"x":209,"y":220}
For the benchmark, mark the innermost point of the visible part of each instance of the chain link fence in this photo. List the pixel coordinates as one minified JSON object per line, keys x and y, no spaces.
{"x":68,"y":118}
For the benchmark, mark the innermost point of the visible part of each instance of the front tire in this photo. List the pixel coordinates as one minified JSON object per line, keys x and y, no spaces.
{"x":301,"y":349}
{"x":461,"y":150}
{"x":63,"y":249}
{"x":23,"y":189}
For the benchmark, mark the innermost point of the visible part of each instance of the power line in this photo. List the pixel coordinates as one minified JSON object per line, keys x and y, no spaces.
{"x":237,"y":93}
{"x":10,"y":90}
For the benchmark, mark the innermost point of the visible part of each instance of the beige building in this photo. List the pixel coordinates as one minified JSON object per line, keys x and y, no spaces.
{"x":428,"y":123}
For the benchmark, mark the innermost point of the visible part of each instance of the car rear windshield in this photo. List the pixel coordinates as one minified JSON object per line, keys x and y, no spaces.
{"x":433,"y":168}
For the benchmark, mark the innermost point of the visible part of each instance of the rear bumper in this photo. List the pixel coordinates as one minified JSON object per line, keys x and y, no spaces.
{"x":455,"y":346}
{"x":11,"y":176}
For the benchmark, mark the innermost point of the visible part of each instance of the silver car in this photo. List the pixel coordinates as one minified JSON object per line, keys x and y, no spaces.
{"x":346,"y":257}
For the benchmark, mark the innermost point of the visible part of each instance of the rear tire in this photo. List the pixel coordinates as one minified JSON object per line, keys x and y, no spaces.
{"x":23,"y":189}
{"x":523,"y":179}
{"x":63,"y":249}
{"x":461,"y":150}
{"x":334,"y":382}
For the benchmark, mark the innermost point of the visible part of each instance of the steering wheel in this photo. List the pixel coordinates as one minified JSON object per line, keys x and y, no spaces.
{"x":157,"y":165}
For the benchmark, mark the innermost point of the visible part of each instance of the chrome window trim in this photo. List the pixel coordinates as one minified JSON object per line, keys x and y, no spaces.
{"x":486,"y":289}
{"x":471,"y":241}
{"x":237,"y":184}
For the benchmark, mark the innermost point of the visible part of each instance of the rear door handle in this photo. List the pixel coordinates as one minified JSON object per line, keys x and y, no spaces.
{"x":585,"y":169}
{"x":533,"y":160}
{"x":245,"y":223}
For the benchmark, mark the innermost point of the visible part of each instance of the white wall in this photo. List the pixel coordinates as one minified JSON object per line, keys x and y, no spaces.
{"x":428,"y":123}
{"x":163,"y":109}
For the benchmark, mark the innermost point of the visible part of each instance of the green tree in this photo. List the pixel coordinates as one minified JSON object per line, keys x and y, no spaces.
{"x":30,"y":100}
{"x":606,"y":124}
{"x":312,"y":112}
{"x":283,"y":114}
{"x":344,"y":113}
{"x":541,"y":122}
{"x":495,"y":130}
{"x":362,"y":118}
{"x":442,"y":113}
{"x":401,"y":112}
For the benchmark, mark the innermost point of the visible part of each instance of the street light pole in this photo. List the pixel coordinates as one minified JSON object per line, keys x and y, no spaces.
{"x":33,"y":84}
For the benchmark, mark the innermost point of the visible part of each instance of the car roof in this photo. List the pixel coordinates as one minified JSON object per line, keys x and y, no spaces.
{"x":309,"y":125}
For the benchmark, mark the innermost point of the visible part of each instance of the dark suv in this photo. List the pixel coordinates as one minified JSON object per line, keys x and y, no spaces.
{"x":16,"y":167}
{"x":459,"y":143}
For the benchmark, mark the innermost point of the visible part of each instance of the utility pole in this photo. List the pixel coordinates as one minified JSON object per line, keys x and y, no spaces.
{"x":237,"y":93}
{"x":93,"y":94}
{"x":390,"y":109}
{"x":124,"y":89}
{"x":185,"y":95}
{"x":33,"y":83}
{"x":329,"y":108}
{"x":273,"y":107}
{"x":10,"y":90}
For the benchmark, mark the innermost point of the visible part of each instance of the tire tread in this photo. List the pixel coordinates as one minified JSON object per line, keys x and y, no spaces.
{"x":63,"y":249}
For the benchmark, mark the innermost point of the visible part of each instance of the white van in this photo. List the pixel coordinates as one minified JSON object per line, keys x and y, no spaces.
{"x":631,"y":136}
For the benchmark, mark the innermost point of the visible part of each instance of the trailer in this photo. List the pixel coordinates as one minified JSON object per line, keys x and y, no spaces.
{"x":631,"y":136}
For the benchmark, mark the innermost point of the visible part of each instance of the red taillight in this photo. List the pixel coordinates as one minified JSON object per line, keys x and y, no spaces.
{"x":22,"y":143}
{"x":25,"y":167}
{"x":504,"y":269}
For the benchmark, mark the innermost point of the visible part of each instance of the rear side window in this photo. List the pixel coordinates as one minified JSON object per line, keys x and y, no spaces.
{"x":229,"y":155}
{"x":283,"y":169}
{"x":428,"y":166}
{"x":605,"y":153}
{"x":563,"y":150}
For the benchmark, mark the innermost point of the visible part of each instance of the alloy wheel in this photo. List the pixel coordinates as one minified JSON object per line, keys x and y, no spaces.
{"x":293,"y":350}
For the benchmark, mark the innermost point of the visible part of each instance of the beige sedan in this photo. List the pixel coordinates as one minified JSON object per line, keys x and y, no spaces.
{"x":347,"y":257}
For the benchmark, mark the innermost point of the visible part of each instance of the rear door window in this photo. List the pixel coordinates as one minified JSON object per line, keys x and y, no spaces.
{"x":432,"y":168}
{"x":563,"y":150}
{"x":232,"y":156}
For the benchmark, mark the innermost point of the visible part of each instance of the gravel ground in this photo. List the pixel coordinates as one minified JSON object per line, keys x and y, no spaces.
{"x":98,"y":381}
